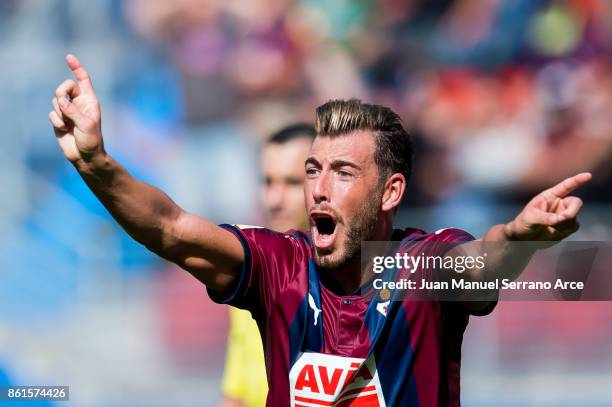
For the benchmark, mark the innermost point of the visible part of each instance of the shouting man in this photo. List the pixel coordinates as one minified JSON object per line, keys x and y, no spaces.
{"x":326,"y":339}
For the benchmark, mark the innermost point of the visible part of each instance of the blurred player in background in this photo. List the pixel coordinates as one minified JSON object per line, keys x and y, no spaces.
{"x":282,"y":165}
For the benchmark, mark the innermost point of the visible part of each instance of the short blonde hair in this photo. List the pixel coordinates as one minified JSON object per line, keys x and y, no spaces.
{"x":393,"y":145}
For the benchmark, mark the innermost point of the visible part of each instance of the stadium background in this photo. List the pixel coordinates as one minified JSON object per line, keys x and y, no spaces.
{"x":503,"y":98}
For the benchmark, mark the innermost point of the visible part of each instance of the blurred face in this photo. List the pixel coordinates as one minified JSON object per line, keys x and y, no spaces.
{"x":283,"y":191}
{"x":343,"y":196}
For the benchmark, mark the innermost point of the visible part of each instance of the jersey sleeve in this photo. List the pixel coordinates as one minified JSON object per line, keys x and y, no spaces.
{"x":441,"y":242}
{"x":452,"y":237}
{"x":435,"y":244}
{"x":270,"y":262}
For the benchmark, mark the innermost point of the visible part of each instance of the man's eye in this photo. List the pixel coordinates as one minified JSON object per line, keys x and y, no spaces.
{"x":345,"y":174}
{"x":311,"y":171}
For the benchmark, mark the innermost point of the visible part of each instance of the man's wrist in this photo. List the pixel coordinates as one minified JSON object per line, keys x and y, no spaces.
{"x":500,"y":233}
{"x":98,"y":168}
{"x":92,"y":163}
{"x":508,"y":232}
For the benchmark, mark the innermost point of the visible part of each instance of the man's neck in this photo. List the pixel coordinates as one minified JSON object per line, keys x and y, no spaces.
{"x":345,"y":280}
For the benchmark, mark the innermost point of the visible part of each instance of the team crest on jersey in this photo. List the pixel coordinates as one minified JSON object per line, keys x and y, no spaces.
{"x":330,"y":380}
{"x":383,"y":307}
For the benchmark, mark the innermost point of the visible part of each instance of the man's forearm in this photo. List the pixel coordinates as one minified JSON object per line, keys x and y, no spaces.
{"x":142,"y":210}
{"x":506,"y":258}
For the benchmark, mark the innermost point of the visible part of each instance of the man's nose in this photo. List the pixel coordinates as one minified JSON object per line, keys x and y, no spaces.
{"x":321,"y":187}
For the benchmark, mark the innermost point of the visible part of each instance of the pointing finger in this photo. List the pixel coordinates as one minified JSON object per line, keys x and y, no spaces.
{"x":566,"y":186}
{"x":80,"y":73}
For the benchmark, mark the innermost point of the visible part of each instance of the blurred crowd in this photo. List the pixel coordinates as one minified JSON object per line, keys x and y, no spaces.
{"x":502,"y":98}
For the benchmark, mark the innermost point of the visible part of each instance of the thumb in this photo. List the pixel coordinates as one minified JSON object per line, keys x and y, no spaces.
{"x":70,"y":111}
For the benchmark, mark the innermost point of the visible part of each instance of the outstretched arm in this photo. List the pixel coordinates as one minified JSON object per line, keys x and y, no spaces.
{"x":549,"y":217}
{"x":212,"y":254}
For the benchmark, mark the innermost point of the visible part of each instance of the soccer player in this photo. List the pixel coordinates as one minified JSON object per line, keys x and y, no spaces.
{"x":328,"y":338}
{"x":282,"y":165}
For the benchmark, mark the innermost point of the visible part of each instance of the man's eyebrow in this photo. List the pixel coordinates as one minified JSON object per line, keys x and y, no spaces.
{"x":342,"y":163}
{"x":335,"y":164}
{"x":313,"y":161}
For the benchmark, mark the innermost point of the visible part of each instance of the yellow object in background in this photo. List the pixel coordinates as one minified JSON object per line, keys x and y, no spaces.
{"x":244,"y":378}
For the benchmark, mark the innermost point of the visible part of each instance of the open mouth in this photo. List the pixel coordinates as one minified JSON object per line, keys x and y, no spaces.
{"x":323,"y":230}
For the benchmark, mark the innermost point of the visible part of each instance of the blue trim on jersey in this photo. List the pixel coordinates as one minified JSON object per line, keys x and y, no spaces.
{"x":304,"y":335}
{"x":298,"y":332}
{"x":314,"y":338}
{"x":374,"y":320}
{"x":394,"y":359}
{"x":245,"y":272}
{"x":391,"y":346}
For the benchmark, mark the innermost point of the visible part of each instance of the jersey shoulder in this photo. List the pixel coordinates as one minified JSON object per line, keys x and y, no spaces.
{"x":268,"y":239}
{"x":413,"y":235}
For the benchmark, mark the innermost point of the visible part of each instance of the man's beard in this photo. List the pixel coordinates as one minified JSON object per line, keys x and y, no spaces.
{"x":361,"y":228}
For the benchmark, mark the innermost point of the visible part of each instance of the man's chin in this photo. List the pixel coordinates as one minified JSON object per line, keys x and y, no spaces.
{"x":326,"y":262}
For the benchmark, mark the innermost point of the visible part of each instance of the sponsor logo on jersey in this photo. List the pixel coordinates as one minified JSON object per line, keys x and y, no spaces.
{"x":330,"y":380}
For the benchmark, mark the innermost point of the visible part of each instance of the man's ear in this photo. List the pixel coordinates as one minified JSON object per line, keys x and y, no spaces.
{"x":393,"y":192}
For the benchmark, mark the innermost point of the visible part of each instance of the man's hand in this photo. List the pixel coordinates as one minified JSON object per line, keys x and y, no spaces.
{"x":76,"y":116}
{"x":551,"y":215}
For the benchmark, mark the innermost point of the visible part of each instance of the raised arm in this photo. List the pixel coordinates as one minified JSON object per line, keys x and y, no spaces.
{"x":212,"y":254}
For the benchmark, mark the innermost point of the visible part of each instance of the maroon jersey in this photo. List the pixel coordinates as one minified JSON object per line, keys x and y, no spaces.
{"x":324,"y":349}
